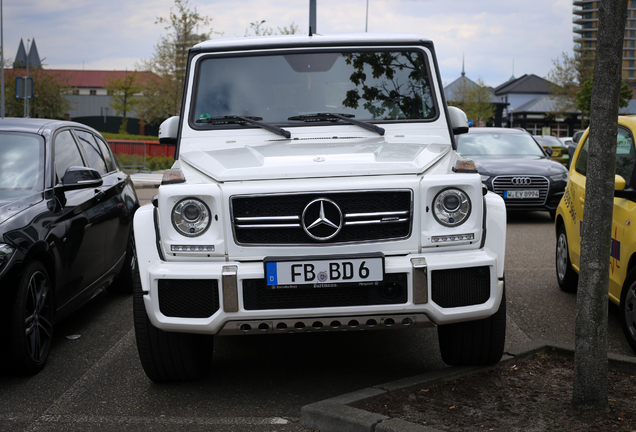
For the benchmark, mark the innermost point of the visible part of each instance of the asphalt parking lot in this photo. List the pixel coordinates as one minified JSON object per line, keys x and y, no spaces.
{"x":94,"y":382}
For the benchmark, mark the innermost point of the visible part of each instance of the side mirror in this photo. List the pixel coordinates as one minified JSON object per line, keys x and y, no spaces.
{"x":458,"y":120}
{"x":619,"y":183}
{"x":168,"y":130}
{"x":548,"y":150}
{"x":81,"y":178}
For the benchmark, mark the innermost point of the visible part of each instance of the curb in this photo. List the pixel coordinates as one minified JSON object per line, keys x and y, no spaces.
{"x":335,"y":414}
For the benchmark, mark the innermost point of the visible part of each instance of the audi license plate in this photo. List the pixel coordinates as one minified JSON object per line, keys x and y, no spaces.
{"x":324,"y":272}
{"x":531,"y":193}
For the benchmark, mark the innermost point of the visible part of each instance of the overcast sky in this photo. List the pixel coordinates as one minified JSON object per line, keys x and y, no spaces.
{"x":116,"y":34}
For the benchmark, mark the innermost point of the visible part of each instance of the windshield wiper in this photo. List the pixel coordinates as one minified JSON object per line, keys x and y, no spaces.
{"x":336,"y":117}
{"x":242,"y":120}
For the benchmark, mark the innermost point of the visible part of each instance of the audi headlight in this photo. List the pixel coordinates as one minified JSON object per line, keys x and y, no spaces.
{"x":6,"y":252}
{"x":451,"y":207}
{"x":191,"y":217}
{"x":560,"y":177}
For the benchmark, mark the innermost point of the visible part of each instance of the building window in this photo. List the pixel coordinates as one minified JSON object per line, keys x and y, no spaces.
{"x":75,"y":91}
{"x":534,"y":128}
{"x":93,"y":92}
{"x":559,"y":129}
{"x":631,"y":74}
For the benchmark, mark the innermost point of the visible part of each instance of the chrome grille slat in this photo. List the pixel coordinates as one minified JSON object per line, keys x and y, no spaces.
{"x":277,"y":218}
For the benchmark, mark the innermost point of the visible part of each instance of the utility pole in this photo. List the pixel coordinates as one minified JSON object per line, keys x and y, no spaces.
{"x":26,"y":80}
{"x":312,"y":16}
{"x":1,"y":63}
{"x":366,"y":25}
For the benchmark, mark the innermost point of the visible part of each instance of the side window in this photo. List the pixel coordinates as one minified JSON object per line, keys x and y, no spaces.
{"x":91,"y":150}
{"x":108,"y":155}
{"x":66,"y":153}
{"x":581,"y":162}
{"x":625,"y":155}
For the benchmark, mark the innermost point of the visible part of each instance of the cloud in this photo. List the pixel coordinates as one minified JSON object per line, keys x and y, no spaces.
{"x":489,"y":35}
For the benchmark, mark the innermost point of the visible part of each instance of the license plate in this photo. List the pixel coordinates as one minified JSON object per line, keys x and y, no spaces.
{"x":324,"y":272}
{"x":531,"y":193}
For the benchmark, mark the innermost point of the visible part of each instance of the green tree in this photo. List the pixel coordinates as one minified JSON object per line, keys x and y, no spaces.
{"x":123,"y":100}
{"x":590,"y":356}
{"x":257,"y":29}
{"x":475,"y":99}
{"x":584,"y":97}
{"x":563,"y":83}
{"x":163,"y":95}
{"x":478,"y":105}
{"x":48,"y":95}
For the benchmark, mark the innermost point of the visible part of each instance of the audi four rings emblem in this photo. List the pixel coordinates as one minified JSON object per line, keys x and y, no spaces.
{"x":521,"y":180}
{"x":322,"y":219}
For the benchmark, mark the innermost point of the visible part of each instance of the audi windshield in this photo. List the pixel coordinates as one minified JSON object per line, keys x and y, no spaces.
{"x":495,"y":144}
{"x":293,"y":88}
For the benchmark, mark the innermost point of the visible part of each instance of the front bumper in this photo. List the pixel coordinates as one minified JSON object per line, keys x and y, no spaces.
{"x":218,"y":297}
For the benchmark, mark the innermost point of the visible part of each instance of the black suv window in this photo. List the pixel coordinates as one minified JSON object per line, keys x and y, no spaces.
{"x":625,"y":156}
{"x":66,"y":154}
{"x":92,"y":151}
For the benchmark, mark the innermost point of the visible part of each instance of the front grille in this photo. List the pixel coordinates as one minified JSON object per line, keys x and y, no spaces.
{"x":364,"y":216}
{"x":511,"y":183}
{"x":257,"y":296}
{"x":460,"y":287}
{"x":188,"y":298}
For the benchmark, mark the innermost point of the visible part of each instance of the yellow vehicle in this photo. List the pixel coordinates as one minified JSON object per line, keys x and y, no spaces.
{"x":622,"y":285}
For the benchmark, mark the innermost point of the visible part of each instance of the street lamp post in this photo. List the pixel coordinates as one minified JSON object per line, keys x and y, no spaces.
{"x":1,"y":63}
{"x":26,"y":80}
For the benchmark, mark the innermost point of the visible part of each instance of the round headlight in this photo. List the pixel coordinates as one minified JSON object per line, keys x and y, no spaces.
{"x":191,"y":217}
{"x":451,"y":207}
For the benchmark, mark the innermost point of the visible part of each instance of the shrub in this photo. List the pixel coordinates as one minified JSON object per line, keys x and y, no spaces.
{"x":153,"y":163}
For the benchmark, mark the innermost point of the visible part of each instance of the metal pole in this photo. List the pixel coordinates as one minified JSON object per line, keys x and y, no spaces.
{"x":366,"y":25}
{"x":1,"y":63}
{"x":26,"y":81}
{"x":312,"y":16}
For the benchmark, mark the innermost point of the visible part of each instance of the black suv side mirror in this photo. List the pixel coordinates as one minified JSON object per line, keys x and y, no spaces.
{"x":81,"y":178}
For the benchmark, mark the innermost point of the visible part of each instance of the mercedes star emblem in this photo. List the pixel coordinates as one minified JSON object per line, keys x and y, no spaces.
{"x":322,"y":219}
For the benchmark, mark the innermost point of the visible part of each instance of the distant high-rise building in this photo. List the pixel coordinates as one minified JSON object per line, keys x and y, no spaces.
{"x":586,"y":32}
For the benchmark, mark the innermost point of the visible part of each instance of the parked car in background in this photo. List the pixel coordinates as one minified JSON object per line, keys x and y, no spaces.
{"x":66,"y":214}
{"x":515,"y":167}
{"x":559,"y":150}
{"x":577,"y":136}
{"x":622,"y":283}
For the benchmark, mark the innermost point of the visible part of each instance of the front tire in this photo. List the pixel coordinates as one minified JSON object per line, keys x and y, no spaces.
{"x":474,"y":343}
{"x":567,"y":278}
{"x":31,"y":321}
{"x":628,"y":308}
{"x":168,"y":356}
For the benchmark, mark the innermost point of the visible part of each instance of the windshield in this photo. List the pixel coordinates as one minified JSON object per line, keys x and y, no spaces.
{"x":21,"y":165}
{"x":495,"y":144}
{"x":367,"y":85}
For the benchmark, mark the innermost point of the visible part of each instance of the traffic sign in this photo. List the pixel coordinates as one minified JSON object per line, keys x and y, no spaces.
{"x":19,"y":87}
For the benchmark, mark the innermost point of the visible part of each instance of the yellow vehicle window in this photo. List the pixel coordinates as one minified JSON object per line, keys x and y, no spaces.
{"x":625,"y":156}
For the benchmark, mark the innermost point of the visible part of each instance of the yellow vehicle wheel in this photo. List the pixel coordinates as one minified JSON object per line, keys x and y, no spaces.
{"x":566,"y":276}
{"x":628,"y":308}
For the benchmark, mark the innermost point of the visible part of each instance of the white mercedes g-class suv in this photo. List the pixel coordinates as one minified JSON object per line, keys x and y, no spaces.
{"x":316,"y":188}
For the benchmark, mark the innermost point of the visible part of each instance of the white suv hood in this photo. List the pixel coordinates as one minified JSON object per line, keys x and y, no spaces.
{"x":317,"y":158}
